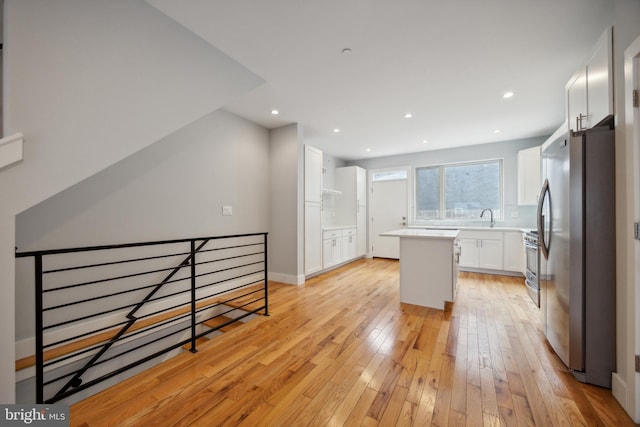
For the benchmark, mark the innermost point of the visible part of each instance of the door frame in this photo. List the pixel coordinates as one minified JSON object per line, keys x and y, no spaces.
{"x":370,"y":174}
{"x":631,"y":280}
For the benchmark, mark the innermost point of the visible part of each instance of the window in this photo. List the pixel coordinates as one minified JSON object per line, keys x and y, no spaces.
{"x":458,"y":191}
{"x":389,"y":175}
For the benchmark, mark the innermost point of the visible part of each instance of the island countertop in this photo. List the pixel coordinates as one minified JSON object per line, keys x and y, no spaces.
{"x":421,"y":233}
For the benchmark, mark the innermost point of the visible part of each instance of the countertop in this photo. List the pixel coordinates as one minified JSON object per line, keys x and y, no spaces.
{"x":421,"y":233}
{"x":337,"y":227}
{"x":470,"y":228}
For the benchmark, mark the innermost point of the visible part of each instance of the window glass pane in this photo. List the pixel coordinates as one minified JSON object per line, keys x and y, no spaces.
{"x":389,"y":175}
{"x":427,"y":193}
{"x":470,"y":188}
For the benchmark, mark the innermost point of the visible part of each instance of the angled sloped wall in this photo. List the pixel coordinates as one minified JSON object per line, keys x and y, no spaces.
{"x":89,"y":83}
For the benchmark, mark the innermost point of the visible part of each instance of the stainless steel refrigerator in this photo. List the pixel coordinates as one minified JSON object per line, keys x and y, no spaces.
{"x":576,"y":234}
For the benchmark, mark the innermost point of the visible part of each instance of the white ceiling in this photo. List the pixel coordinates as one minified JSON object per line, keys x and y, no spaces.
{"x":448,"y":62}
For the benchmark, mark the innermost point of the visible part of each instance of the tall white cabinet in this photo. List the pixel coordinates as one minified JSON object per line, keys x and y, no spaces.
{"x":352,"y":204}
{"x":312,"y":210}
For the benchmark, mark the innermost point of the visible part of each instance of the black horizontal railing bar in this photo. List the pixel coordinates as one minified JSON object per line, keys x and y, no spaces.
{"x":209,"y":273}
{"x":231,"y":247}
{"x":206,"y":285}
{"x":121,"y":338}
{"x":125,"y":261}
{"x":109,"y":279}
{"x":56,"y":307}
{"x":229,"y":258}
{"x":226,"y":290}
{"x":233,"y":289}
{"x":97,"y":363}
{"x":128,"y":291}
{"x":129,"y":245}
{"x":93,"y":282}
{"x":137,"y":305}
{"x":123,"y":307}
{"x":120,"y":308}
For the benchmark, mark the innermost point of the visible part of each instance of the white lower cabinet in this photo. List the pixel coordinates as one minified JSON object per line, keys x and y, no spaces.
{"x":338,"y":246}
{"x":312,"y":237}
{"x":481,"y":249}
{"x":331,"y":248}
{"x":513,"y":251}
{"x":349,"y":243}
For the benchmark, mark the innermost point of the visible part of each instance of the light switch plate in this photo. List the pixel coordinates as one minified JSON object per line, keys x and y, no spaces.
{"x":227,"y":210}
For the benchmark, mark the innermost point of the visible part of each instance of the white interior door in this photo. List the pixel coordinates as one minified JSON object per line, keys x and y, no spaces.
{"x":388,"y":212}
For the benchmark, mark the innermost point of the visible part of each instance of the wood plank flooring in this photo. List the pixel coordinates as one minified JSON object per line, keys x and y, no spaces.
{"x":342,"y":350}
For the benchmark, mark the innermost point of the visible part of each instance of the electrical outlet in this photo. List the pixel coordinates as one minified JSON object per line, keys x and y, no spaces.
{"x":514,"y":214}
{"x":227,"y":210}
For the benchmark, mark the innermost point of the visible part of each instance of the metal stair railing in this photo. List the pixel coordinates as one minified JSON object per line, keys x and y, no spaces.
{"x":221,"y":269}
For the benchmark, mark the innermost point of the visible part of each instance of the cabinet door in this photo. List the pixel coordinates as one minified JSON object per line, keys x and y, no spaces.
{"x":312,"y":238}
{"x":600,"y":81}
{"x":513,"y":251}
{"x":577,"y":118}
{"x":327,"y":252}
{"x":336,"y":251}
{"x":348,"y":247}
{"x":361,"y":223}
{"x":529,"y":176}
{"x":490,"y":254}
{"x":469,"y":253}
{"x":361,"y":186}
{"x":312,"y":174}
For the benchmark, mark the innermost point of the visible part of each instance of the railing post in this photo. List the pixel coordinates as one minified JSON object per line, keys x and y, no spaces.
{"x":193,"y":297}
{"x":39,"y":331}
{"x":266,"y":278}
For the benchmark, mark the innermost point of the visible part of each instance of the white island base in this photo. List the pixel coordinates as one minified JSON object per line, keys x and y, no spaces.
{"x":428,"y":268}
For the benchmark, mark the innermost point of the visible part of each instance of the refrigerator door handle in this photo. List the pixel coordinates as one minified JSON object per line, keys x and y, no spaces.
{"x":545,"y":196}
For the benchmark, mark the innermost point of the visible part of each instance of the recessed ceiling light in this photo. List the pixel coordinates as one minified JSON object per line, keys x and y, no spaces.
{"x":368,"y":150}
{"x":346,"y":51}
{"x":424,"y":141}
{"x":408,"y":115}
{"x":508,"y":95}
{"x":336,"y":130}
{"x":497,"y":131}
{"x":275,"y":112}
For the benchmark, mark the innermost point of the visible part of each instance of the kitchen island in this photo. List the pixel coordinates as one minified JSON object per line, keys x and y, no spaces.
{"x":428,"y":266}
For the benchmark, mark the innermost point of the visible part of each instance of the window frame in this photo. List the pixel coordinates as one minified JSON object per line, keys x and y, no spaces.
{"x":441,"y":176}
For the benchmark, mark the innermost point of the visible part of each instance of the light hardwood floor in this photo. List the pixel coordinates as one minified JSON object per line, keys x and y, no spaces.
{"x":342,"y":350}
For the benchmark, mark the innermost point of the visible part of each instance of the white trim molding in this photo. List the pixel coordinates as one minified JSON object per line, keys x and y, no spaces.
{"x":11,"y":149}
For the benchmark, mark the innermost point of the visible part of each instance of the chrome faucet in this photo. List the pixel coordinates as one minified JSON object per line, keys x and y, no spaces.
{"x":493,"y":222}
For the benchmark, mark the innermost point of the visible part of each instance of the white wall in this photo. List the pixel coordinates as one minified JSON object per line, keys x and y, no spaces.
{"x":508,"y":151}
{"x":173,"y":189}
{"x":283,"y":240}
{"x":88,"y":83}
{"x":626,"y":385}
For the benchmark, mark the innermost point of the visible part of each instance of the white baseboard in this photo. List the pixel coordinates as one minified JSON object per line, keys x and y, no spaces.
{"x":289,"y":279}
{"x":619,"y":389}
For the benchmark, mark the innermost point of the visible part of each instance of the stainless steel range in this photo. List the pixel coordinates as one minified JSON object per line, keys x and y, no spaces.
{"x":532,"y":279}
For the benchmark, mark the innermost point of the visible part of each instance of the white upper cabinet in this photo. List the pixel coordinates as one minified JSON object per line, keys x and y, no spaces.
{"x":590,"y":90}
{"x":352,"y":204}
{"x":312,"y":174}
{"x":529,"y":176}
